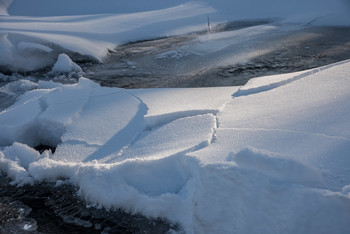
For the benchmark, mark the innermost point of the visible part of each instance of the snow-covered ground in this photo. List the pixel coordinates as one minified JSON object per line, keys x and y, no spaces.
{"x":271,"y":156}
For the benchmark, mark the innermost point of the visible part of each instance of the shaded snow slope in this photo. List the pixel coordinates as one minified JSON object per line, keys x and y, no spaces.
{"x":85,"y":35}
{"x":227,"y":10}
{"x":4,"y":5}
{"x":269,"y":157}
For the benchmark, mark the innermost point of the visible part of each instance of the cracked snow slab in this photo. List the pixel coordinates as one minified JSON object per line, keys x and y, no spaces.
{"x":109,"y":121}
{"x":297,"y":108}
{"x":205,"y":158}
{"x":295,"y":120}
{"x":179,"y":136}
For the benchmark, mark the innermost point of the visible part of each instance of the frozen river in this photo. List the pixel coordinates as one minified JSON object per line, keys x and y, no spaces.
{"x":229,"y":55}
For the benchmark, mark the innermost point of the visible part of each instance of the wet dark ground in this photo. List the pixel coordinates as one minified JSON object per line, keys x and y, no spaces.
{"x":44,"y":208}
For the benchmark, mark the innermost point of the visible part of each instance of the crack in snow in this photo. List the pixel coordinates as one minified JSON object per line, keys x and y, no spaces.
{"x":81,"y":142}
{"x":246,"y":92}
{"x":291,"y":131}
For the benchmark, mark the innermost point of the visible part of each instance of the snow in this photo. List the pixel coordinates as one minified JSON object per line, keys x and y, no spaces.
{"x":271,"y":156}
{"x":18,"y":87}
{"x":46,"y":29}
{"x":267,"y":157}
{"x":65,"y":65}
{"x":4,"y":5}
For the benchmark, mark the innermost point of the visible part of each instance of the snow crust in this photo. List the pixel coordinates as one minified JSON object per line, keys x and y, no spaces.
{"x":268,"y":157}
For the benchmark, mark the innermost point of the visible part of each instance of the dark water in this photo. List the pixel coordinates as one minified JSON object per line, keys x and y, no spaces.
{"x":44,"y":208}
{"x":135,"y":65}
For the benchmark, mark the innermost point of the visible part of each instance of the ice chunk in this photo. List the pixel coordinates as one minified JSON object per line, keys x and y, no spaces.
{"x":65,"y":65}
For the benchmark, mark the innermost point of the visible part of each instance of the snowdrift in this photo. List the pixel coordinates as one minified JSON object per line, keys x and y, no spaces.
{"x":269,"y":157}
{"x":37,"y":31}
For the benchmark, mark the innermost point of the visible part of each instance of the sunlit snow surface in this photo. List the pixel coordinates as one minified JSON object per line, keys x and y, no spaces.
{"x":269,"y":157}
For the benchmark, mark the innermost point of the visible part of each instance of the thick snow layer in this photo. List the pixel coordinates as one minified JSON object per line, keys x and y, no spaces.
{"x":38,"y":30}
{"x":269,"y":157}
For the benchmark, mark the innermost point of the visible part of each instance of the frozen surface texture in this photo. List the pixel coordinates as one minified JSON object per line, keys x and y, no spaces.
{"x":268,"y":157}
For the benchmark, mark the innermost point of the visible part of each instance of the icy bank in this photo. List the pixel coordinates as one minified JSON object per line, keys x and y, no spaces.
{"x":37,"y":31}
{"x":269,"y":157}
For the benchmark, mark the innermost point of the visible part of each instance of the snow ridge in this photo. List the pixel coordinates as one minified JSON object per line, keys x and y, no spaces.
{"x":243,"y":91}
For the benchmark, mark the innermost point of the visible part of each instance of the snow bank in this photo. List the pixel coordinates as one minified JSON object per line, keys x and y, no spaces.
{"x":272,"y":159}
{"x":4,"y":5}
{"x":85,"y":36}
{"x":30,"y":43}
{"x":227,"y":10}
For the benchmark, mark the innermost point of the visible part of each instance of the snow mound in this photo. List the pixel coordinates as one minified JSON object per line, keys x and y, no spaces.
{"x":4,"y":5}
{"x":29,"y":47}
{"x":64,"y":64}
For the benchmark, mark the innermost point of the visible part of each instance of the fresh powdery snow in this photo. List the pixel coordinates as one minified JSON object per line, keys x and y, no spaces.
{"x":268,"y":157}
